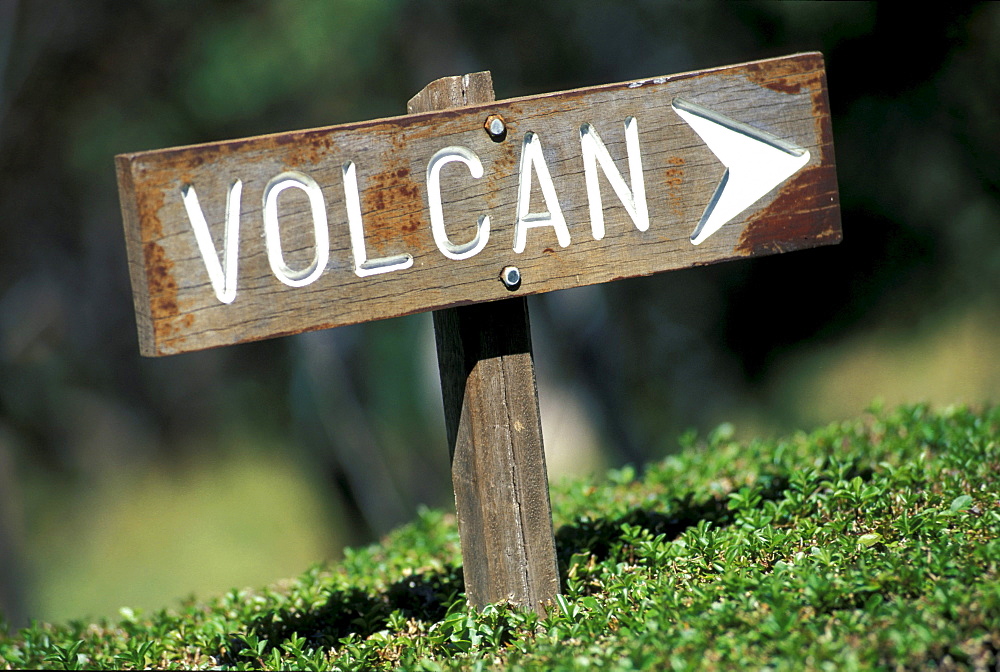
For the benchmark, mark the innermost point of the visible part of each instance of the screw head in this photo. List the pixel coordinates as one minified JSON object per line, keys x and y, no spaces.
{"x":496,"y":127}
{"x":511,"y":277}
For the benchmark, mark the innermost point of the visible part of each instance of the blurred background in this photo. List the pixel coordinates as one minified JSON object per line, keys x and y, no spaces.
{"x":137,"y":482}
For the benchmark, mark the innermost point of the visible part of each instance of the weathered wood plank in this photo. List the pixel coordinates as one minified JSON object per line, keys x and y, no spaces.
{"x":493,"y":426}
{"x":498,"y":461}
{"x":179,"y":310}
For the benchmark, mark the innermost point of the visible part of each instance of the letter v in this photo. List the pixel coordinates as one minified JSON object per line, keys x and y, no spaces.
{"x":223,"y":282}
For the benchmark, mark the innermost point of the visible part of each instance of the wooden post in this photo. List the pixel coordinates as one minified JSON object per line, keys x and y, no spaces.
{"x":493,"y":424}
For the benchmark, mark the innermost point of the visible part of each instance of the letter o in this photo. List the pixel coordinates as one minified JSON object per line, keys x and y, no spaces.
{"x":272,"y":235}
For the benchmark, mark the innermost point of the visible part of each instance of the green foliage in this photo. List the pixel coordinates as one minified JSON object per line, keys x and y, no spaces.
{"x":243,"y":63}
{"x":868,"y":544}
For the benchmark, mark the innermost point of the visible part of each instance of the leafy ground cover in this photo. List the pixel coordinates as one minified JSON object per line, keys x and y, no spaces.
{"x":871,"y":544}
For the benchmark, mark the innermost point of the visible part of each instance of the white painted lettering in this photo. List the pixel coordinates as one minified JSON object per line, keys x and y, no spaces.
{"x":634,"y":200}
{"x":362,"y":265}
{"x":272,"y":234}
{"x":532,"y":158}
{"x":437,"y":162}
{"x":223,"y":281}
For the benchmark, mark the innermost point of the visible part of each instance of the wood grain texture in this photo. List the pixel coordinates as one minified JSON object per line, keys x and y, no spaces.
{"x":494,"y":428}
{"x":498,"y":461}
{"x":177,"y":309}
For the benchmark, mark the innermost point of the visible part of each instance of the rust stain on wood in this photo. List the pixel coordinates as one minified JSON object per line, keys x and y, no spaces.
{"x":413,"y":223}
{"x":788,"y":76}
{"x":506,"y":162}
{"x":674,"y":178}
{"x":392,"y":208}
{"x":161,"y":281}
{"x":806,"y":211}
{"x":311,"y":152}
{"x":793,"y":83}
{"x":821,"y":114}
{"x":297,"y":147}
{"x":804,"y":214}
{"x":149,"y":202}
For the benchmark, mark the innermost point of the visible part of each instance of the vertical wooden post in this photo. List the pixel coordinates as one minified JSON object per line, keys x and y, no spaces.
{"x":494,"y":427}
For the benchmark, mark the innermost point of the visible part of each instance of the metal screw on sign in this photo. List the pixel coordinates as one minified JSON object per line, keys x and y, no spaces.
{"x":511,"y":277}
{"x":496,"y":127}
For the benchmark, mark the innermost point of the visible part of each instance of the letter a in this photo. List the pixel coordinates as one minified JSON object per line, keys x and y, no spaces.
{"x":532,"y":158}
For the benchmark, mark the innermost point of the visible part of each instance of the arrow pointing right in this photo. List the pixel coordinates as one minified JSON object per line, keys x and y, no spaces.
{"x":756,"y":162}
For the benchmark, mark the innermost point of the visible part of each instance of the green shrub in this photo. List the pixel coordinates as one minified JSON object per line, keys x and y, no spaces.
{"x":868,"y":544}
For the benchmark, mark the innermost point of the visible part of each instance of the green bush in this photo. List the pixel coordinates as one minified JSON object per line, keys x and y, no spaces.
{"x":868,"y":544}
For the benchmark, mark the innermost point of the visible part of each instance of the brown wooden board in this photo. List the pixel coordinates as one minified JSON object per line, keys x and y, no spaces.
{"x":179,"y":308}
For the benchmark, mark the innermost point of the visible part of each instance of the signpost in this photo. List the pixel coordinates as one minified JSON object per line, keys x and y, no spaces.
{"x":468,"y":200}
{"x":493,"y":424}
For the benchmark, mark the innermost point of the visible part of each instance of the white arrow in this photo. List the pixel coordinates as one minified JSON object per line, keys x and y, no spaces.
{"x":756,"y":162}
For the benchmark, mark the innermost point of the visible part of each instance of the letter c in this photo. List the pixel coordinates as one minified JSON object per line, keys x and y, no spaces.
{"x":438,"y":161}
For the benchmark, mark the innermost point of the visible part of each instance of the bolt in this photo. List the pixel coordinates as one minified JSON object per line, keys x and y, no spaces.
{"x":511,"y":277}
{"x":495,"y":127}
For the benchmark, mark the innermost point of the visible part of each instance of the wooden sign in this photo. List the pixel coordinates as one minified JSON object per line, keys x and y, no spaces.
{"x":468,"y":200}
{"x":247,"y":239}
